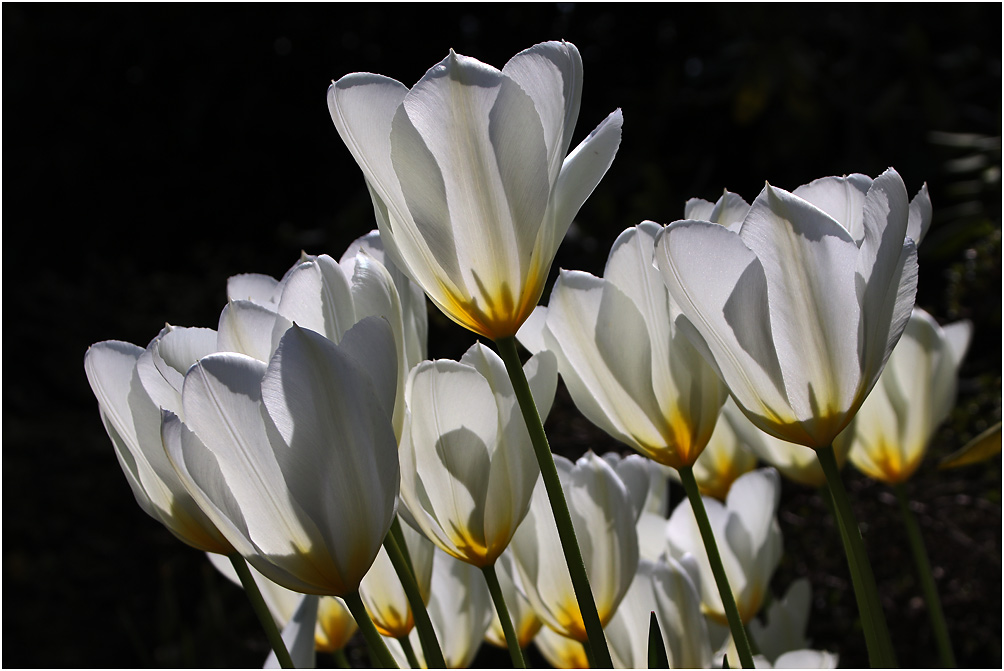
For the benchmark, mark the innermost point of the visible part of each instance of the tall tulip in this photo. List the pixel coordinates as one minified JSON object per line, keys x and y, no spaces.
{"x":473,"y":193}
{"x":749,"y":538}
{"x":890,"y":434}
{"x":469,"y":177}
{"x":629,"y":367}
{"x":604,"y":516}
{"x":295,"y":461}
{"x":798,"y":307}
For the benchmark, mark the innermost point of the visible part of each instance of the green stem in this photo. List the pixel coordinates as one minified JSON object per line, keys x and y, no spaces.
{"x":261,"y":610}
{"x":409,"y":652}
{"x":495,"y":589}
{"x":715,"y":559}
{"x":938,"y":624}
{"x":880,"y":652}
{"x":373,"y":639}
{"x":397,"y":551}
{"x":552,"y":485}
{"x":340,"y":659}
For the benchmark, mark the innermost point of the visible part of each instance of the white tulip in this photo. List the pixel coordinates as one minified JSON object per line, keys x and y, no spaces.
{"x":471,"y":186}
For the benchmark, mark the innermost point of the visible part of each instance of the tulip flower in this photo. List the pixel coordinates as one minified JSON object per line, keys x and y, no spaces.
{"x":748,"y":537}
{"x":604,"y":520}
{"x":725,"y":458}
{"x":382,"y":592}
{"x":668,"y":589}
{"x":560,"y":651}
{"x":469,"y":177}
{"x":460,"y":608}
{"x":914,"y":395}
{"x":627,"y":366}
{"x":131,"y":417}
{"x":890,"y":434}
{"x":798,"y":307}
{"x":785,"y":622}
{"x":466,"y":460}
{"x":295,"y":461}
{"x":524,"y":620}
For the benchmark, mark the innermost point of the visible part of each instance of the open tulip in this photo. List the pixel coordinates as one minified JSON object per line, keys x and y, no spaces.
{"x":748,"y":537}
{"x":603,"y":516}
{"x":467,"y":464}
{"x":627,"y":366}
{"x":295,"y":461}
{"x":914,"y":395}
{"x":469,"y":177}
{"x":800,"y":308}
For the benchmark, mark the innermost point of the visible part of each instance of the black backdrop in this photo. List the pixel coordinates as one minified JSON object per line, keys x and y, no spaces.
{"x":153,"y":150}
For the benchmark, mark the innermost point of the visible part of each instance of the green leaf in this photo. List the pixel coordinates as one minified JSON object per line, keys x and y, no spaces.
{"x":657,"y":657}
{"x":980,"y":448}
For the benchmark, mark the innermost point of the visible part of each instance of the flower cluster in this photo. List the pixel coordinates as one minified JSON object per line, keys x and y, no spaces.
{"x":368,"y":487}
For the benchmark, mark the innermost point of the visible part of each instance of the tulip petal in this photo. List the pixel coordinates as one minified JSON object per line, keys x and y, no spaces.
{"x":298,"y":635}
{"x":840,"y":197}
{"x":257,"y":288}
{"x":809,"y":263}
{"x":921,"y":213}
{"x":581,"y":171}
{"x":340,"y":455}
{"x":721,"y":288}
{"x":551,"y":74}
{"x":317,"y":296}
{"x":246,"y":327}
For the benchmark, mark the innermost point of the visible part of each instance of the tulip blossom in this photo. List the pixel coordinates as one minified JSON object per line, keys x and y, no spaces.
{"x":799,"y":309}
{"x":786,"y":619}
{"x":382,"y":592}
{"x":748,"y":537}
{"x":130,"y":383}
{"x":914,"y":395}
{"x":725,"y":458}
{"x":668,"y":589}
{"x":560,"y":651}
{"x":525,"y":622}
{"x":603,"y":517}
{"x":460,"y":609}
{"x":468,"y":468}
{"x":471,"y":185}
{"x":295,"y":461}
{"x":627,"y":366}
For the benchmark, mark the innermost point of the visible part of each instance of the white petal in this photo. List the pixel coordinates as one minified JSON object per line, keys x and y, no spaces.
{"x":840,"y":197}
{"x":298,"y":636}
{"x":551,"y":74}
{"x":531,"y":333}
{"x":246,"y":327}
{"x":809,"y":263}
{"x":260,"y":289}
{"x":317,"y":296}
{"x":340,"y":461}
{"x":921,"y":213}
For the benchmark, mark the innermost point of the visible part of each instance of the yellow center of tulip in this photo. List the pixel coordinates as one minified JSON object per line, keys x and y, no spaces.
{"x":497,"y":314}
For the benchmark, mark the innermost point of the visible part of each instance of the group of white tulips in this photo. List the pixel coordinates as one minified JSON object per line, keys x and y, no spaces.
{"x":347,"y":482}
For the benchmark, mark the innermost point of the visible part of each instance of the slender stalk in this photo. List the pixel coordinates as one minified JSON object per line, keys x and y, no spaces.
{"x":596,"y":642}
{"x":495,"y":589}
{"x":397,"y":551}
{"x":938,"y":624}
{"x":880,"y":652}
{"x":409,"y":652}
{"x":261,"y":610}
{"x":373,"y":639}
{"x":340,"y":659}
{"x":717,"y":568}
{"x":657,"y":657}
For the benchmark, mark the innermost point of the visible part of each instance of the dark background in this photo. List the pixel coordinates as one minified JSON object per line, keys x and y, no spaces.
{"x":152,"y":151}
